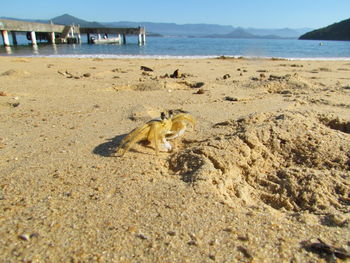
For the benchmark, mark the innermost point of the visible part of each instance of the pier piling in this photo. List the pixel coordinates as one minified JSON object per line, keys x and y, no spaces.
{"x":52,"y":38}
{"x":14,"y":38}
{"x":140,"y":40}
{"x":5,"y":37}
{"x":33,"y":38}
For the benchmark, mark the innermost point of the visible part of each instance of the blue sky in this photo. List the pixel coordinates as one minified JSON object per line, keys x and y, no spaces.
{"x":244,"y":13}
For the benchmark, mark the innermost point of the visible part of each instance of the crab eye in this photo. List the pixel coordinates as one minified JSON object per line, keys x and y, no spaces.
{"x":162,"y":116}
{"x":171,"y":112}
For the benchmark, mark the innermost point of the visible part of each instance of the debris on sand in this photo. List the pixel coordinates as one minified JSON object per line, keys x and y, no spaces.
{"x":325,"y":250}
{"x":226,"y":76}
{"x":176,"y":74}
{"x":144,"y":68}
{"x":229,"y":98}
{"x":200,"y":91}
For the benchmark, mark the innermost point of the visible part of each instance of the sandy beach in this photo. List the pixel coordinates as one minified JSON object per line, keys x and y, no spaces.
{"x":263,"y":176}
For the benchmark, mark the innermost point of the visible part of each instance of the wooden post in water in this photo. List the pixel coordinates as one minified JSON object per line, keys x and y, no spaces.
{"x":35,"y":49}
{"x":124,"y":39}
{"x":33,"y":37}
{"x":5,"y":37}
{"x":142,"y":35}
{"x":8,"y":50}
{"x":52,"y":38}
{"x":72,"y":31}
{"x":14,"y":38}
{"x":140,"y":40}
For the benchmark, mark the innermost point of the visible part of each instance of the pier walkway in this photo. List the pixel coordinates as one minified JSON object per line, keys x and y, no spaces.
{"x":56,"y":34}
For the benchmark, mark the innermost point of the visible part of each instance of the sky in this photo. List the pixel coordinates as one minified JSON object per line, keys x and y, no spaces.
{"x":244,"y":13}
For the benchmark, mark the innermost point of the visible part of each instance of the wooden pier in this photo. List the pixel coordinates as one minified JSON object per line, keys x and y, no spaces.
{"x":57,"y":34}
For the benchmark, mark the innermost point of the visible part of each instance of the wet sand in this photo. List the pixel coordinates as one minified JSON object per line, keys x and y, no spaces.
{"x":265,"y":173}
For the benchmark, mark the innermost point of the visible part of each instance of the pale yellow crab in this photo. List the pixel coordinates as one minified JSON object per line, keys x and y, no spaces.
{"x":179,"y":124}
{"x":157,"y":131}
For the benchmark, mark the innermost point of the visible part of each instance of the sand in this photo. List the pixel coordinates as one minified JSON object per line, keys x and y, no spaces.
{"x":266,"y":170}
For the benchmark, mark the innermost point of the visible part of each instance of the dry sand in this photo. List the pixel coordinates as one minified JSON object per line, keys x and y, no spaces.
{"x":266,"y":169}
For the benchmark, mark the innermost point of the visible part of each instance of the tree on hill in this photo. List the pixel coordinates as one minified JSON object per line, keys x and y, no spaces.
{"x":337,"y":31}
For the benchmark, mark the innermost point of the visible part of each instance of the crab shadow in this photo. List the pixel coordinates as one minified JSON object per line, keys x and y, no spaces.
{"x":108,"y":149}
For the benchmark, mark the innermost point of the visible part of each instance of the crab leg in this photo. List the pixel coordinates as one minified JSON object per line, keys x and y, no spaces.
{"x":132,"y":138}
{"x":155,"y":138}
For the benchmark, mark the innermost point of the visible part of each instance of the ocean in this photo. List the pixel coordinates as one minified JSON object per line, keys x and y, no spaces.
{"x":182,"y":47}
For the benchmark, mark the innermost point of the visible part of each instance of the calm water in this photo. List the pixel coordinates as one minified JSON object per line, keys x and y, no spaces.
{"x":193,"y":47}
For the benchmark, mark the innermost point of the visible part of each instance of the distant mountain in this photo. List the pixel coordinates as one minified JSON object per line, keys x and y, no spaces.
{"x":337,"y":31}
{"x":243,"y":33}
{"x":236,"y":33}
{"x":240,"y":33}
{"x":25,"y":19}
{"x":280,"y":32}
{"x":184,"y":30}
{"x":211,"y":30}
{"x":67,"y":19}
{"x":173,"y":29}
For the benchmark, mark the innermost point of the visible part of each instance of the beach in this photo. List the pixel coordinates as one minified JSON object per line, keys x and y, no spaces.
{"x":263,"y":175}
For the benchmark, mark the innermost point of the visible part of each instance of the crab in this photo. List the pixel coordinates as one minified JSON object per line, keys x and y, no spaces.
{"x":157,"y":131}
{"x":179,"y":124}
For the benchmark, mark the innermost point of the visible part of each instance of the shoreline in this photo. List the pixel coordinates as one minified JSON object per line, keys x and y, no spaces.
{"x":267,"y":162}
{"x":166,"y":57}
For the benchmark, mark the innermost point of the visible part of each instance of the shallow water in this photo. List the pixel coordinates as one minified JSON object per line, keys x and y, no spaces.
{"x":163,"y":47}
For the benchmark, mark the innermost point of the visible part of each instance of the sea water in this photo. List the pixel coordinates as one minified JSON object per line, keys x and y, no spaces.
{"x":184,"y":47}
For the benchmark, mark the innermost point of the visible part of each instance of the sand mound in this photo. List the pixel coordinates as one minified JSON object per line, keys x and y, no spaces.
{"x":286,"y":84}
{"x":15,"y":73}
{"x":144,"y":113}
{"x":179,"y":85}
{"x":293,"y":161}
{"x":145,"y":85}
{"x":20,"y":60}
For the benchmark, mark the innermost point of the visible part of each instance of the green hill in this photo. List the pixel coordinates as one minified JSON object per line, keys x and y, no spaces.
{"x":67,"y":19}
{"x":337,"y":31}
